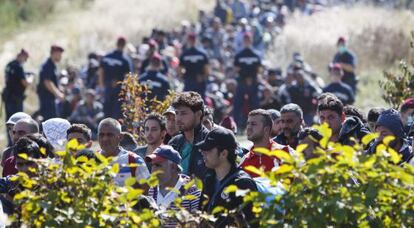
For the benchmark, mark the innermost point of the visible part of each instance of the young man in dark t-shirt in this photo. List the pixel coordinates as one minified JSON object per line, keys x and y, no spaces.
{"x":194,"y":67}
{"x":247,"y":63}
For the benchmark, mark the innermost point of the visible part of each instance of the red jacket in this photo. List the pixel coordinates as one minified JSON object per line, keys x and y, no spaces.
{"x":266,"y":162}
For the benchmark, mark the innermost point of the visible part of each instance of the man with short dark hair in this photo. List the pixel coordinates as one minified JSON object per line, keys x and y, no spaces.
{"x":170,"y":125}
{"x":344,"y":129}
{"x":165,"y":161}
{"x":154,"y":132}
{"x":48,"y":87}
{"x":292,"y":122}
{"x":113,"y":68}
{"x":219,"y":153}
{"x":259,"y":128}
{"x":109,"y":138}
{"x":189,"y":109}
{"x":373,"y":115}
{"x":81,"y":133}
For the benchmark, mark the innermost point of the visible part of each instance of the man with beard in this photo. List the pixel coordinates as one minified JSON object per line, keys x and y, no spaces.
{"x":154,"y":131}
{"x":292,"y":122}
{"x":259,"y":129}
{"x":189,"y":109}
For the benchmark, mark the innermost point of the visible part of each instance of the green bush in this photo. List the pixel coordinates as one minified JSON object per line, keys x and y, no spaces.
{"x":342,"y":187}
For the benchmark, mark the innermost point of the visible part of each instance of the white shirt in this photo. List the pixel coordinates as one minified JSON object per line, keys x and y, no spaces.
{"x":163,"y":202}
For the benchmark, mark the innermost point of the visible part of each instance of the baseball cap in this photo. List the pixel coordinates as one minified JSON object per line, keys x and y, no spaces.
{"x":163,"y":153}
{"x":24,"y":52}
{"x":341,"y":40}
{"x":407,"y":104}
{"x":152,"y":43}
{"x":170,"y":110}
{"x":218,"y":137}
{"x":121,"y":40}
{"x":156,"y":57}
{"x":18,"y":116}
{"x":57,"y":48}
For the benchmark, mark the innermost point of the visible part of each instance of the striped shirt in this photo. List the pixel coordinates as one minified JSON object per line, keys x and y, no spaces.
{"x":166,"y":202}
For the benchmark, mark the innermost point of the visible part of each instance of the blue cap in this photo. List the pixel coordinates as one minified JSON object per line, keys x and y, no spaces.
{"x":163,"y":153}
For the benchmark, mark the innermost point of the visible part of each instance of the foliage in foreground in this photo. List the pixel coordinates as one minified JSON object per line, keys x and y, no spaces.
{"x":398,"y":87}
{"x":341,"y":187}
{"x":136,"y":105}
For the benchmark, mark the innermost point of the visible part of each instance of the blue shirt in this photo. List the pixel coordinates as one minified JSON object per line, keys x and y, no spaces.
{"x":157,"y":83}
{"x":193,"y":60}
{"x":48,"y":71}
{"x":115,"y":67}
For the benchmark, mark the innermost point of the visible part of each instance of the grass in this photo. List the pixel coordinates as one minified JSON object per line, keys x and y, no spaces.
{"x":379,"y":37}
{"x":94,"y":28}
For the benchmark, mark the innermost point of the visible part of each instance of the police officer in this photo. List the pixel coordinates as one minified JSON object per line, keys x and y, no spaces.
{"x":155,"y":80}
{"x":113,"y":68}
{"x":194,"y":67}
{"x":16,"y":83}
{"x":48,"y":87}
{"x":247,"y":63}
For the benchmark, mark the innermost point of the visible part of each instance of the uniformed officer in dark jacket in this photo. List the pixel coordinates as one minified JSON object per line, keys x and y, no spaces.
{"x":48,"y":87}
{"x":194,"y":67}
{"x":219,"y":153}
{"x":16,"y":83}
{"x":113,"y":68}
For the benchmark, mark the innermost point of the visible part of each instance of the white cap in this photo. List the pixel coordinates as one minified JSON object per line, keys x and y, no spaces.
{"x":17,"y":116}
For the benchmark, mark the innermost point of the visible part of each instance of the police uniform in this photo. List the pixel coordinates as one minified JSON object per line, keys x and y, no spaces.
{"x":48,"y":71}
{"x":115,"y":67}
{"x":13,"y":93}
{"x":194,"y":61}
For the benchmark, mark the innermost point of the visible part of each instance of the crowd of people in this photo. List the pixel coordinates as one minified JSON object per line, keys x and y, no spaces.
{"x":226,"y":90}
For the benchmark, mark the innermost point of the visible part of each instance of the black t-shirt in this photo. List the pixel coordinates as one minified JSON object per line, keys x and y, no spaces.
{"x":146,"y":63}
{"x":249,"y":62}
{"x":193,"y":60}
{"x":157,"y":83}
{"x":48,"y":71}
{"x":348,"y":58}
{"x":14,"y":75}
{"x":343,"y":91}
{"x":304,"y":96}
{"x":115,"y":67}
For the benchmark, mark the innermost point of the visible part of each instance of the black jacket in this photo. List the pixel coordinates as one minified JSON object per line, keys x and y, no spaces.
{"x":242,"y":180}
{"x":196,"y":166}
{"x":352,"y":127}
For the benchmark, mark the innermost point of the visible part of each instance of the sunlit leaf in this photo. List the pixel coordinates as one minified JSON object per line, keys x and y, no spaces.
{"x":369,"y":137}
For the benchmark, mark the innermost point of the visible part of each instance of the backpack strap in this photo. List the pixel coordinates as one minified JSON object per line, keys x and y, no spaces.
{"x":131,"y":160}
